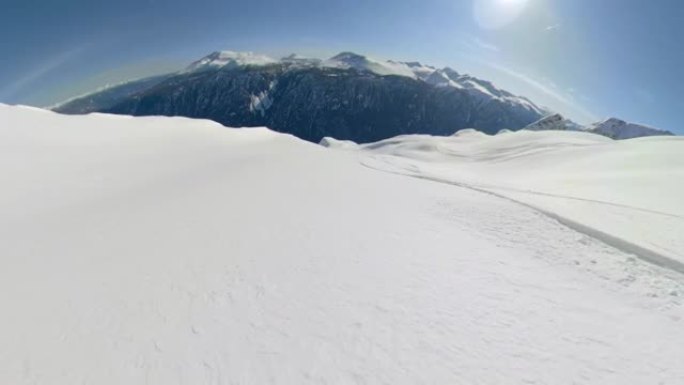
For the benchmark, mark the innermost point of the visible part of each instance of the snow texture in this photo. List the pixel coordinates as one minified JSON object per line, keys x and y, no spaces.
{"x":625,"y":192}
{"x":230,"y":59}
{"x":176,"y":251}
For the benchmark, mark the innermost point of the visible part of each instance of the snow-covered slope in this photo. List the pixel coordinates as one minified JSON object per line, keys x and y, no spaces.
{"x":629,"y":190}
{"x":619,"y":129}
{"x":173,"y":251}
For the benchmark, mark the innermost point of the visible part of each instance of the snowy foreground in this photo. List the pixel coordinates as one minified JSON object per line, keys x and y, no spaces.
{"x":172,"y":251}
{"x":626,"y":193}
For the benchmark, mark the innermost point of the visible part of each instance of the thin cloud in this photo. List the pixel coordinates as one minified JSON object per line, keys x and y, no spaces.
{"x":550,"y":91}
{"x":552,"y":27}
{"x":47,"y":66}
{"x":483,"y":44}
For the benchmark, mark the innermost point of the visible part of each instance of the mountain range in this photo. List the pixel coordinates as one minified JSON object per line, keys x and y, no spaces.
{"x":348,"y":97}
{"x":612,"y":127}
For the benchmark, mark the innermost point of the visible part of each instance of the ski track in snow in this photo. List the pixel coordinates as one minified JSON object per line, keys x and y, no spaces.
{"x":624,"y":245}
{"x":380,"y":163}
{"x":600,"y":202}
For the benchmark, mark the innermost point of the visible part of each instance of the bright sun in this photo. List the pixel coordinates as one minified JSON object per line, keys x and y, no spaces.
{"x":494,"y":14}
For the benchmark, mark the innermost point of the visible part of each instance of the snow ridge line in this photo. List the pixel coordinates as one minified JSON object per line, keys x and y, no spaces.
{"x":625,"y":246}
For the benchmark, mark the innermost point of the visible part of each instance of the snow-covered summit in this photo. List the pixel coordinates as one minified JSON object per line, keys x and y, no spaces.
{"x":441,"y":77}
{"x":553,"y":122}
{"x":619,"y":129}
{"x":365,"y":63}
{"x":299,"y":60}
{"x":612,"y":128}
{"x":230,"y":58}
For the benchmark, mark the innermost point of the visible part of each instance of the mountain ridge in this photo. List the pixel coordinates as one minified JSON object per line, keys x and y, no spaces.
{"x":348,"y":96}
{"x":613,"y":128}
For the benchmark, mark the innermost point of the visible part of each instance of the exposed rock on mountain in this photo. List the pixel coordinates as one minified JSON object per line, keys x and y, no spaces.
{"x":349,"y":96}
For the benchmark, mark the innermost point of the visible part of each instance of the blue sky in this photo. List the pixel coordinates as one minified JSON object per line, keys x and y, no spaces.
{"x":588,"y":59}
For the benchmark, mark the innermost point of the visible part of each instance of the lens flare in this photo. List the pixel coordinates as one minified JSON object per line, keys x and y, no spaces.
{"x":495,"y":14}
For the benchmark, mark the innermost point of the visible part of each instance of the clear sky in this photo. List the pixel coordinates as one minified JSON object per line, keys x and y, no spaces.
{"x":588,"y":59}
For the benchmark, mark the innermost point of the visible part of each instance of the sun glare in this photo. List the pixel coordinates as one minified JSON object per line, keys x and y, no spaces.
{"x":494,"y":14}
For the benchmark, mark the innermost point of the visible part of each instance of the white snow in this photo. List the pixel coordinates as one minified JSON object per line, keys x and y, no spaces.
{"x":611,"y":128}
{"x":296,"y":60}
{"x":177,"y":251}
{"x":441,"y":79}
{"x":339,"y":144}
{"x":363,"y":63}
{"x":554,"y":122}
{"x":231,"y":58}
{"x":619,"y":129}
{"x":421,"y":71}
{"x":262,"y":101}
{"x":630,"y":190}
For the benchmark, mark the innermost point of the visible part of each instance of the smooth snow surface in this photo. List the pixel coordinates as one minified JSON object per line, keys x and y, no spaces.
{"x":175,"y":251}
{"x":630,"y":190}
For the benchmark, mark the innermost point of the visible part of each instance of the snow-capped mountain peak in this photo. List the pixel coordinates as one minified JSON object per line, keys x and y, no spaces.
{"x":366,"y":64}
{"x":444,"y":77}
{"x":619,"y":129}
{"x":219,"y":59}
{"x":295,"y":59}
{"x":554,"y":122}
{"x":444,"y":100}
{"x":421,"y":71}
{"x":350,"y":58}
{"x":451,"y":73}
{"x":439,"y":78}
{"x":612,"y":127}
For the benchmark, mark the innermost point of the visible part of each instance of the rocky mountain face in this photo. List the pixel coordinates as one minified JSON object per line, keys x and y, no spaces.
{"x":348,"y":97}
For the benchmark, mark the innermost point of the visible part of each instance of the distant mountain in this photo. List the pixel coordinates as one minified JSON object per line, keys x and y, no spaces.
{"x":348,"y":96}
{"x":619,"y":129}
{"x":612,"y":128}
{"x":229,"y":59}
{"x":553,"y":122}
{"x":108,"y":97}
